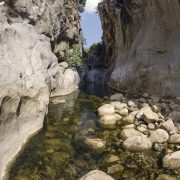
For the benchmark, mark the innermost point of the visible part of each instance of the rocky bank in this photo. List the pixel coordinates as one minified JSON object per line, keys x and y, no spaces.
{"x":144,"y":128}
{"x":142,"y":40}
{"x":32,"y":33}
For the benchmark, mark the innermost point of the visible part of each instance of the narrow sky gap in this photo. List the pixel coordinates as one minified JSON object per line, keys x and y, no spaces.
{"x":90,"y":23}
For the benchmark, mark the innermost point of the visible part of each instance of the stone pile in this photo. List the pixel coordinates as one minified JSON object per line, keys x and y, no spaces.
{"x":146,"y":123}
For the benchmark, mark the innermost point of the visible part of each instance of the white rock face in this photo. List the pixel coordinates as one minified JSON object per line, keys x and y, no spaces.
{"x":29,"y":71}
{"x":27,"y":67}
{"x":159,"y":136}
{"x":96,"y":175}
{"x":67,"y":82}
{"x":172,"y":160}
{"x":137,"y":143}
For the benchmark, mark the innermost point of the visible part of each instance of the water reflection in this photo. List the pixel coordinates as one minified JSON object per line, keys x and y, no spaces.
{"x":98,"y":89}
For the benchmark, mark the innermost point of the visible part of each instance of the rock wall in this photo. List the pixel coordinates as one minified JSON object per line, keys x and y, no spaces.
{"x":142,"y":39}
{"x":30,"y":31}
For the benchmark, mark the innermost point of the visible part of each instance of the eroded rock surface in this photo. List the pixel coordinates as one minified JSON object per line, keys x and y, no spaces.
{"x":142,"y":40}
{"x":30,"y":32}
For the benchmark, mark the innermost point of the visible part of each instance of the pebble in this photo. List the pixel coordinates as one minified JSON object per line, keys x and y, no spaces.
{"x":172,"y":160}
{"x":115,"y":168}
{"x":174,"y":139}
{"x":126,"y":133}
{"x":151,"y":126}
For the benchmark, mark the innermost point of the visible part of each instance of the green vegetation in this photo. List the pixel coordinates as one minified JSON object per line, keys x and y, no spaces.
{"x":96,"y":48}
{"x":74,"y":56}
{"x":83,"y":2}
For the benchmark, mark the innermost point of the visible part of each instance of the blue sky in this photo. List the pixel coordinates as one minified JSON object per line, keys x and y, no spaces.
{"x":90,"y":23}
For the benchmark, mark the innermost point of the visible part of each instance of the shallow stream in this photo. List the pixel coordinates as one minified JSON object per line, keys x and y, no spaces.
{"x":56,"y":152}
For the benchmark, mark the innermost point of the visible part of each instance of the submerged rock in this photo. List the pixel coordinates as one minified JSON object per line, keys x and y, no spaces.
{"x":95,"y":143}
{"x":172,"y":160}
{"x":116,"y":168}
{"x":137,"y":143}
{"x":96,"y":175}
{"x":165,"y":177}
{"x":112,"y":158}
{"x":109,"y":121}
{"x":58,"y":101}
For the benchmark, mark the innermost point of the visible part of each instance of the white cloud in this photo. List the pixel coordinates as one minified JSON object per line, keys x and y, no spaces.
{"x":91,"y":5}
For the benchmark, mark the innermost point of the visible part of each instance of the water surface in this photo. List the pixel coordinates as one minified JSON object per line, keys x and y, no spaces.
{"x":57,"y":152}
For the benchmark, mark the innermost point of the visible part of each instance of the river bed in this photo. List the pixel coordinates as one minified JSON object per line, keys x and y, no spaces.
{"x":56,"y":152}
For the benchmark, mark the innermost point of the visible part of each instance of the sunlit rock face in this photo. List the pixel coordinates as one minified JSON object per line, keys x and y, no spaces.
{"x":29,"y":71}
{"x":143,"y":44}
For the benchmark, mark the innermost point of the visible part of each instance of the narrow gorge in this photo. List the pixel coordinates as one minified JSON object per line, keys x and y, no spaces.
{"x":107,"y":111}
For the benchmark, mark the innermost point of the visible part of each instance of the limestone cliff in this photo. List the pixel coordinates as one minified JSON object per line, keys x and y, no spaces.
{"x":142,"y":39}
{"x":32,"y":32}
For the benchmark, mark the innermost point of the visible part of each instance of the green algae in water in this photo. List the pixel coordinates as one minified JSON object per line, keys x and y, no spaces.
{"x":54,"y":153}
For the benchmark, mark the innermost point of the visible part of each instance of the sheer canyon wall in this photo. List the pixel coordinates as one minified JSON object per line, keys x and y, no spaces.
{"x":142,"y":39}
{"x":32,"y":32}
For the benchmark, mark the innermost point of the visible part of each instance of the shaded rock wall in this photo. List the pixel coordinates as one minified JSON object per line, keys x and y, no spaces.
{"x":142,"y":41}
{"x":30,"y":31}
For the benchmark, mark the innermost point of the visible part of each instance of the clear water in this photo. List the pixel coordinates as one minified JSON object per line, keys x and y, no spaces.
{"x":57,"y":154}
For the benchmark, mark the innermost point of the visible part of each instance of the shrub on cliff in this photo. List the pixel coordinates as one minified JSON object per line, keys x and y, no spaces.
{"x":74,"y":56}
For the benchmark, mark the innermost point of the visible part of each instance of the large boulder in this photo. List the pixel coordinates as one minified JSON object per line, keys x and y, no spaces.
{"x":109,"y":120}
{"x":172,"y":160}
{"x":118,"y":105}
{"x":159,"y":136}
{"x":148,"y":115}
{"x":127,"y":133}
{"x":137,"y":143}
{"x":68,"y":82}
{"x":96,"y":175}
{"x":106,"y":109}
